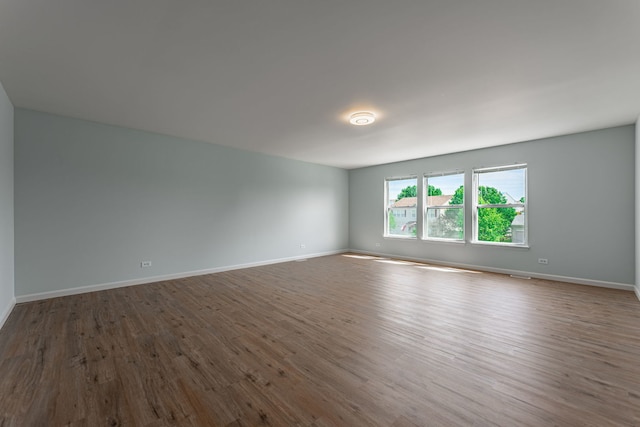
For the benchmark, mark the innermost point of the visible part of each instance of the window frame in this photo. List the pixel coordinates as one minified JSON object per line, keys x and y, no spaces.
{"x":476,"y":172}
{"x":426,"y":206}
{"x":386,"y":209}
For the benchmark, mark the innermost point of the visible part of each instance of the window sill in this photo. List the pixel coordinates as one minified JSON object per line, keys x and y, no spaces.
{"x":499,"y":245}
{"x":400,"y":237}
{"x":436,"y":240}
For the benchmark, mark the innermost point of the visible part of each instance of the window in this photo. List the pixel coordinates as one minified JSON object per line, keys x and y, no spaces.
{"x":444,"y":202}
{"x":500,"y":205}
{"x":401,"y":203}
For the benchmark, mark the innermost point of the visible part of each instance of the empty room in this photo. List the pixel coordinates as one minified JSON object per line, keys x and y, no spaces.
{"x":295,"y":213}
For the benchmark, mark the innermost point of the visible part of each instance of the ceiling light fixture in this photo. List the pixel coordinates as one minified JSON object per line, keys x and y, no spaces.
{"x":362,"y":118}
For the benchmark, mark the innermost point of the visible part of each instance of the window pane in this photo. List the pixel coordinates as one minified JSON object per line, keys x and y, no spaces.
{"x":402,"y":202}
{"x":445,"y":223}
{"x":518,"y":234}
{"x":445,"y":190}
{"x":506,"y":225}
{"x":442,"y":222}
{"x":501,"y":187}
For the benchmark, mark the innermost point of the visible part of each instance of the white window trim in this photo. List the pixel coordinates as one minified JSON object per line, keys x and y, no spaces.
{"x":474,"y":211}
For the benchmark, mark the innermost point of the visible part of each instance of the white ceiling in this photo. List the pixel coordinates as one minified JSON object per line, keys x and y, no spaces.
{"x":279,"y":76}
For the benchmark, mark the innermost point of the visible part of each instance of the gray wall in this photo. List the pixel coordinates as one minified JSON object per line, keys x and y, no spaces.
{"x":93,"y":201}
{"x":637,"y":260}
{"x":581,"y":207}
{"x":6,"y":205}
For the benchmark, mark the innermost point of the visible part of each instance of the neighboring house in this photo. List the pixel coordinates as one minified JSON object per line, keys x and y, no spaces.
{"x":517,"y":229}
{"x":404,"y":212}
{"x":512,"y":201}
{"x":517,"y":225}
{"x":405,"y":208}
{"x":435,"y":201}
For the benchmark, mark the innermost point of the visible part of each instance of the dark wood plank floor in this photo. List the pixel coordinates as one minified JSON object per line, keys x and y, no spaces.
{"x":333,"y":341}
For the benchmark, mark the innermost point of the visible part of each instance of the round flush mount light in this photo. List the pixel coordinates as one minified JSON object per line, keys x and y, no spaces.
{"x":362,"y":118}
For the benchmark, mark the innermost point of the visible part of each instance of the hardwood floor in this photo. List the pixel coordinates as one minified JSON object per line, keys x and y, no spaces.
{"x":343,"y":340}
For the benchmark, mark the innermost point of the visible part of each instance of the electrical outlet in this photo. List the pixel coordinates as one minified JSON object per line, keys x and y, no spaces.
{"x":302,"y":246}
{"x":377,"y":245}
{"x":145,"y":264}
{"x":543,"y":261}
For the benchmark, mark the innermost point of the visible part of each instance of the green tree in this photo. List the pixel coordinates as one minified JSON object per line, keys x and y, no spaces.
{"x":433,"y":191}
{"x":493,"y":223}
{"x":490,"y":196}
{"x":392,"y":220}
{"x":458,"y":196}
{"x":412,"y":191}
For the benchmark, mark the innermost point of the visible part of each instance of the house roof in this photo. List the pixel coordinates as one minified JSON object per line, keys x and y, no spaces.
{"x":407,"y":202}
{"x":412,"y":202}
{"x":510,"y":198}
{"x":439,"y":200}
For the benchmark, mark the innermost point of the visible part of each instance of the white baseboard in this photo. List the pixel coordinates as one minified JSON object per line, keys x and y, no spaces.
{"x":152,"y":279}
{"x":576,"y":280}
{"x":7,"y":311}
